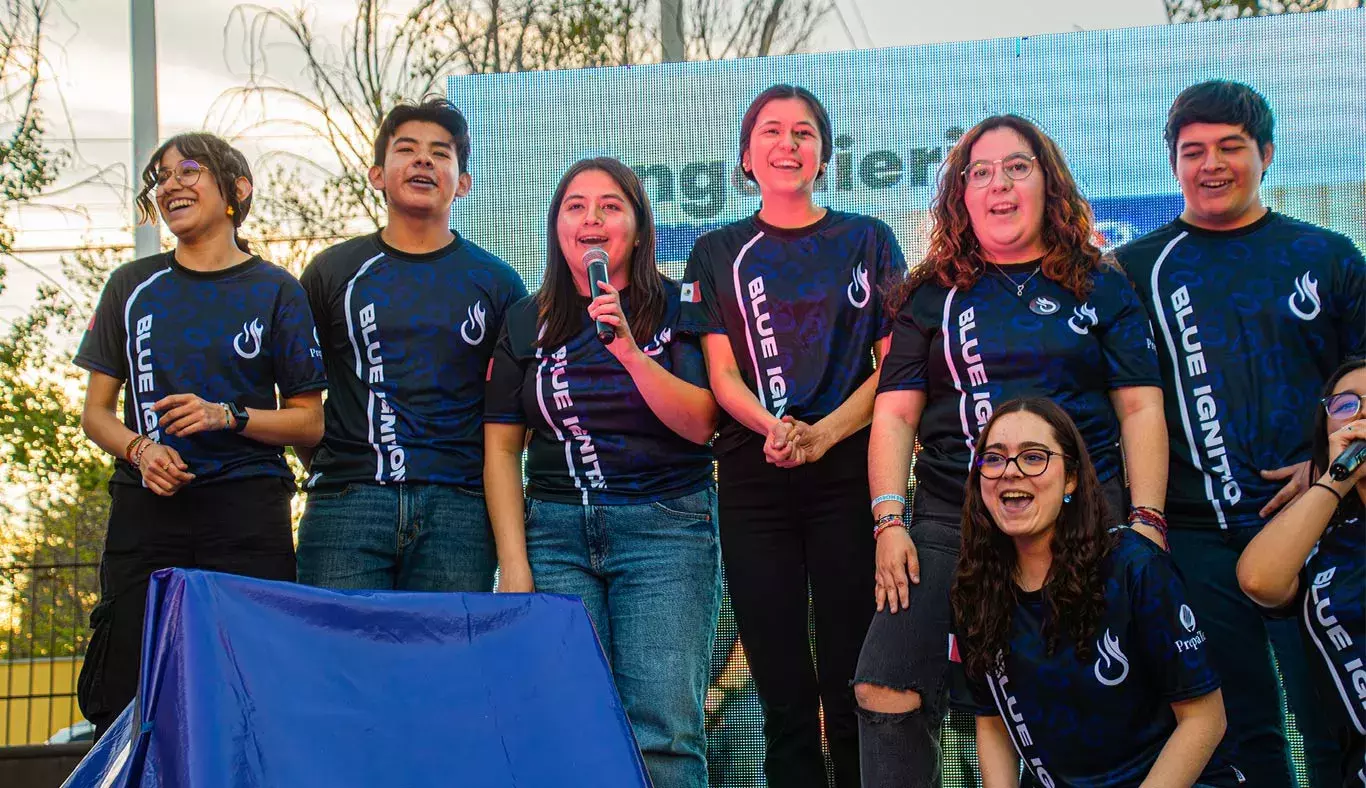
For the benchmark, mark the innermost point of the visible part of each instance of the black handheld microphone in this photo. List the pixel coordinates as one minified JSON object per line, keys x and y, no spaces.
{"x":1347,"y":462}
{"x":596,"y":260}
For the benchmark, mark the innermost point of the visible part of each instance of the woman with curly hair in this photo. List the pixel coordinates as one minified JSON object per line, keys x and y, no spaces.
{"x":1014,"y":299}
{"x":1076,"y":633}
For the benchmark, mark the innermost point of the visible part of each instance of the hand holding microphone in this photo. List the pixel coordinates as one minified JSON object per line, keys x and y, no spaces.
{"x":596,"y":261}
{"x":1350,"y":457}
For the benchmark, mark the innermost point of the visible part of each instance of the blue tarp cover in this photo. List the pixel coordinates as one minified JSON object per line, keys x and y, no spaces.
{"x":255,"y":683}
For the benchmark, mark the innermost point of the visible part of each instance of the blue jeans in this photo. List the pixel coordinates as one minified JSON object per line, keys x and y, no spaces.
{"x":650,"y":577}
{"x":405,"y":537}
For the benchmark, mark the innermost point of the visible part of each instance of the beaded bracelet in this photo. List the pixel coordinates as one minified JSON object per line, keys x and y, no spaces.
{"x":1149,"y":516}
{"x":132,"y":444}
{"x":142,"y":449}
{"x":901,"y":499}
{"x":887,"y":521}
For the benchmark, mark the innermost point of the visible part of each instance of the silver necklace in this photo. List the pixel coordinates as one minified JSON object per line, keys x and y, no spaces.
{"x":1019,"y":286}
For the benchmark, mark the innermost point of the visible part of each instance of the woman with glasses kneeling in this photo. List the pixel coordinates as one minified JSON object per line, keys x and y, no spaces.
{"x":1085,"y":662}
{"x":620,"y":508}
{"x":215,"y":354}
{"x":1310,"y":561}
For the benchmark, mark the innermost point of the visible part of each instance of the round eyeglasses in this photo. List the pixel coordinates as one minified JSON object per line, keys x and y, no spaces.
{"x":1344,"y":405}
{"x":1031,"y":462}
{"x":1016,"y":167}
{"x":186,"y":173}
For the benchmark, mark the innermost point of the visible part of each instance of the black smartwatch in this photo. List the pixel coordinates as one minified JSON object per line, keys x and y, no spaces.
{"x":239,"y":416}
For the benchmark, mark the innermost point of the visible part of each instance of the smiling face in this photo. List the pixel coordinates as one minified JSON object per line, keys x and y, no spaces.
{"x":1006,"y":215}
{"x":596,"y":212}
{"x":784,"y":153}
{"x":421,"y":174}
{"x":1219,"y":168}
{"x":195,"y":210}
{"x":1023,"y":506}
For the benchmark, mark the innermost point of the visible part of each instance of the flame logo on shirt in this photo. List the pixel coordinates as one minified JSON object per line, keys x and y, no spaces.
{"x":1306,"y":289}
{"x":472,"y":330}
{"x":656,"y":346}
{"x":1110,"y":655}
{"x":1083,"y":317}
{"x":859,"y":291}
{"x":250,"y":337}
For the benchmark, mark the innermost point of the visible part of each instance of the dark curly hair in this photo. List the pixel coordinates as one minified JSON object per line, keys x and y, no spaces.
{"x":984,"y":592}
{"x":954,"y":257}
{"x":225,"y":164}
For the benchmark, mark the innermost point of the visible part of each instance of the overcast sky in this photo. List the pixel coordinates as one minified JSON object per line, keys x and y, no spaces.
{"x":91,"y":62}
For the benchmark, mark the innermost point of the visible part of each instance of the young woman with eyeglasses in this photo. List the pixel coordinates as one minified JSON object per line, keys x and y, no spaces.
{"x":215,"y":353}
{"x":1014,"y":299}
{"x":1084,"y":660}
{"x":1310,"y":562}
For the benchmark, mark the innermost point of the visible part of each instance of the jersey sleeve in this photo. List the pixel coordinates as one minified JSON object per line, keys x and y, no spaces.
{"x":891,"y":272}
{"x":513,"y":290}
{"x":503,"y":386}
{"x":1352,"y":292}
{"x":1172,"y":644}
{"x":103,"y":346}
{"x":295,"y":352}
{"x":1127,"y":340}
{"x":907,"y":363}
{"x":687,"y":362}
{"x":698,"y":297}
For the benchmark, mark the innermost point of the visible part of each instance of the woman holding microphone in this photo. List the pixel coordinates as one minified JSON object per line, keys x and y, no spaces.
{"x":619,"y":507}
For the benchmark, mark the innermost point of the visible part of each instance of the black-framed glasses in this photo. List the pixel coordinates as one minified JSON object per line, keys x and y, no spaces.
{"x":1342,"y":406}
{"x":186,"y":173}
{"x":1016,"y":167}
{"x":1031,"y":462}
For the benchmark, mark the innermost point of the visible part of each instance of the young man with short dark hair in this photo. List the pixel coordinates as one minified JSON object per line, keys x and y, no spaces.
{"x":407,"y":319}
{"x":1252,"y":311}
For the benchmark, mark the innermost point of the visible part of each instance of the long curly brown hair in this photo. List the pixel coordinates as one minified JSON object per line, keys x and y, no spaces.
{"x":954,"y":257}
{"x":984,"y":592}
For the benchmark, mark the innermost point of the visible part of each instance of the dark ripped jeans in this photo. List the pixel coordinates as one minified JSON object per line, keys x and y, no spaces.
{"x":909,"y":650}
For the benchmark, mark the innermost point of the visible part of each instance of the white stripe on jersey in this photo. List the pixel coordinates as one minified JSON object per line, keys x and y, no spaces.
{"x":360,"y":372}
{"x":944,"y":329}
{"x":1003,"y":705}
{"x":744,"y":318}
{"x":545,"y":413}
{"x":1180,"y":390}
{"x":130,"y":335}
{"x":1348,"y":700}
{"x":346,"y":308}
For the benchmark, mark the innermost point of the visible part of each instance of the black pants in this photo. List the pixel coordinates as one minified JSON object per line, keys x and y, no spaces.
{"x":784,"y":532}
{"x":241,"y":527}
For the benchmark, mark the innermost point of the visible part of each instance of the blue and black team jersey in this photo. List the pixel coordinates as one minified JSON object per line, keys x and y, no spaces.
{"x":802,"y":309}
{"x":1332,"y":611}
{"x":1101,"y":722}
{"x":1249,"y":324}
{"x":233,"y":335}
{"x":970,"y":350}
{"x":594,"y":438}
{"x":407,"y":339}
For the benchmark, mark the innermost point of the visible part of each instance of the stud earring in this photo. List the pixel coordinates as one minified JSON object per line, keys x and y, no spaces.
{"x":1067,"y":498}
{"x":231,"y":211}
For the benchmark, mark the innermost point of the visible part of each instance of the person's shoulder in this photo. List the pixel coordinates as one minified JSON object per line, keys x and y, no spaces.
{"x":522,"y":324}
{"x":273,"y":272}
{"x":731,"y":235}
{"x":348,"y":255}
{"x":1134,"y":554}
{"x":134,"y":272}
{"x":1145,"y":249}
{"x":475,"y":254}
{"x":1298,"y":230}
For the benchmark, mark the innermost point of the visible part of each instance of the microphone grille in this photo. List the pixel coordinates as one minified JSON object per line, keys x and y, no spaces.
{"x":595,"y":255}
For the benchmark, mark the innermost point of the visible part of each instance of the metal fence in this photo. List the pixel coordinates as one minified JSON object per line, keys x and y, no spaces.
{"x":44,"y":627}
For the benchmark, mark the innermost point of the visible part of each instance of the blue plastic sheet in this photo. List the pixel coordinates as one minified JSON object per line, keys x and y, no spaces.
{"x":253,"y":682}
